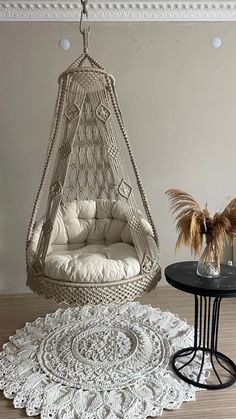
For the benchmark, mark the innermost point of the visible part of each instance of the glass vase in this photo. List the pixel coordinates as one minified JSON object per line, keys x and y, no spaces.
{"x":208,"y":265}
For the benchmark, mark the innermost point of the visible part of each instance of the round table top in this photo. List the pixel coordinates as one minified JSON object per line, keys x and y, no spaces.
{"x":183,"y":275}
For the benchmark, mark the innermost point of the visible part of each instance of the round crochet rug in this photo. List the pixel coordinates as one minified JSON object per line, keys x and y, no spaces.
{"x":97,"y":362}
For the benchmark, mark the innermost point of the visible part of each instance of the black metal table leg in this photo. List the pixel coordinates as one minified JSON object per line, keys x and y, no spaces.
{"x":206,"y":328}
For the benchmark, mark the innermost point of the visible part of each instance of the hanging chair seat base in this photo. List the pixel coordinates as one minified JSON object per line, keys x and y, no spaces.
{"x":91,"y":257}
{"x":93,"y":263}
{"x":93,"y":293}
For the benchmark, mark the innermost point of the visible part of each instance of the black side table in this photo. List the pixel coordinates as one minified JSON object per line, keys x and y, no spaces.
{"x":208,"y":294}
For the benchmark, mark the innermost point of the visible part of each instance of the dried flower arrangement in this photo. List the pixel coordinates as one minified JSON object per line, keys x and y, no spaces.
{"x":194,"y":222}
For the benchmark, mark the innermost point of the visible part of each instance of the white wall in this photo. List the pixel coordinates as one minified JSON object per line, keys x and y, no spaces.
{"x":178,"y":96}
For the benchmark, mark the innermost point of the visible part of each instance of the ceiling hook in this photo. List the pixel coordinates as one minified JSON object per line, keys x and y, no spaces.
{"x":84,"y":12}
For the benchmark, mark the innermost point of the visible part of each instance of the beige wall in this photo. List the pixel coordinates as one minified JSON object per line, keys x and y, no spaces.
{"x":178,"y":95}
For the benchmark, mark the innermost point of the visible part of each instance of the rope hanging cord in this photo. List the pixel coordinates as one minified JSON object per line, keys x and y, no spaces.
{"x":84,"y":31}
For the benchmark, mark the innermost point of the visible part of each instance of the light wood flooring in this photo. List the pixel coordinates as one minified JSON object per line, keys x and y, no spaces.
{"x":16,"y":310}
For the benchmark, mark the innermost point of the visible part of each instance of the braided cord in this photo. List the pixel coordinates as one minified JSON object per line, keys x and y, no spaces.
{"x":116,"y":107}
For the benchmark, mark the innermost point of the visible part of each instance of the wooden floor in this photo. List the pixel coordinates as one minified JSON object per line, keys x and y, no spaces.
{"x":16,"y":310}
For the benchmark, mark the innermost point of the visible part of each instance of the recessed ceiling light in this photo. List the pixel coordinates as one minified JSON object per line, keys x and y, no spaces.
{"x":216,"y":42}
{"x":64,"y":44}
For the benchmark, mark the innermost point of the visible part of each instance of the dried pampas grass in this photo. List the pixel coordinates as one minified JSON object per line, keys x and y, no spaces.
{"x":193,"y":222}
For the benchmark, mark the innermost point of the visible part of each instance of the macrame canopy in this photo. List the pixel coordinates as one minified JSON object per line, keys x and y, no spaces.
{"x":90,"y":202}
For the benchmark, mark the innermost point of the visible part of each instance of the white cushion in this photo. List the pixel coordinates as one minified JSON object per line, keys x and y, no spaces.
{"x":90,"y":242}
{"x":93,"y":263}
{"x":91,"y":222}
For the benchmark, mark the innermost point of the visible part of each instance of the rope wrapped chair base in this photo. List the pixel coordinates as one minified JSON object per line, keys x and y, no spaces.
{"x":99,"y":293}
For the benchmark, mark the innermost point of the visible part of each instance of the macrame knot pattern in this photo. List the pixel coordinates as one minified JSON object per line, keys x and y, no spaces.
{"x":64,"y":150}
{"x":113,"y":151}
{"x":47,"y":227}
{"x":56,"y":189}
{"x":147,"y":264}
{"x":103,"y":113}
{"x":124,"y":189}
{"x":90,"y":79}
{"x":135,"y":224}
{"x":72,"y":112}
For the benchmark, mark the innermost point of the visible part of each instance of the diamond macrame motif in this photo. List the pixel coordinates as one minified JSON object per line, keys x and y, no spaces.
{"x":147,"y":264}
{"x":102,"y":112}
{"x":64,"y":150}
{"x":135,"y":224}
{"x":72,"y":112}
{"x":124,"y":189}
{"x":56,"y":189}
{"x":47,"y":227}
{"x":90,"y":174}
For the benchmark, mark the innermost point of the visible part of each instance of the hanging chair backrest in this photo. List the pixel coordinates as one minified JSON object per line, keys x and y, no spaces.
{"x":89,"y":164}
{"x":80,"y":223}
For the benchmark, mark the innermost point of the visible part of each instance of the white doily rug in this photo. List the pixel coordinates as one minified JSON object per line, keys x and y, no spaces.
{"x":103,"y":362}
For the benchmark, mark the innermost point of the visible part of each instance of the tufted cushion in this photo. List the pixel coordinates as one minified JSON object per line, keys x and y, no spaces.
{"x":90,"y":241}
{"x":93,"y":263}
{"x":79,"y":223}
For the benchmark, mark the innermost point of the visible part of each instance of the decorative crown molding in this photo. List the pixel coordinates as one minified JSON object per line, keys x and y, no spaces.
{"x":119,"y":10}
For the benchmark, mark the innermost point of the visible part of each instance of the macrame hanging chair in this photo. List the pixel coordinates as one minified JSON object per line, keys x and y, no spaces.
{"x":93,"y":245}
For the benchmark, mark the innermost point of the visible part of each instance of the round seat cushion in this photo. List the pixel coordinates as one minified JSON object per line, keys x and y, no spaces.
{"x":93,"y":263}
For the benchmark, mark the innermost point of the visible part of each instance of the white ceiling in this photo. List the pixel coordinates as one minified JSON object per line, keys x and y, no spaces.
{"x":124,"y":10}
